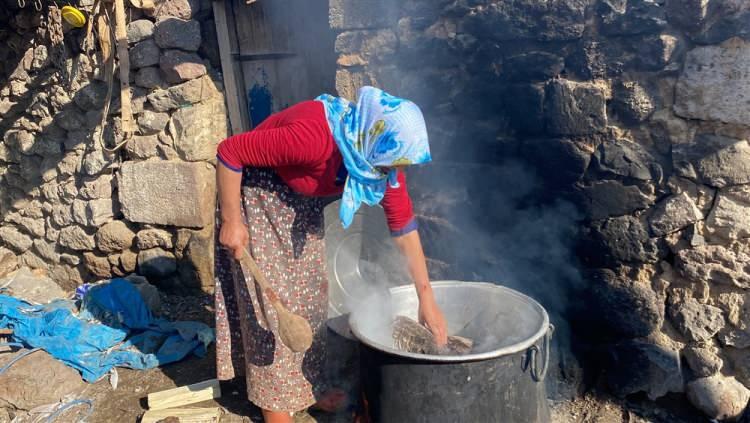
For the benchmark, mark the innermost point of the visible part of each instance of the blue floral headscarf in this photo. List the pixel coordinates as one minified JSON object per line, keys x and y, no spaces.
{"x":379,"y":130}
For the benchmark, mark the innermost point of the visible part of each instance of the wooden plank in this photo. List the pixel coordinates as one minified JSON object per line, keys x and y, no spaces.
{"x":184,"y":395}
{"x":185,"y":415}
{"x":227,"y":66}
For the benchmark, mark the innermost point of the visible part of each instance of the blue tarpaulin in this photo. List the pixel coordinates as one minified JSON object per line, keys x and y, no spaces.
{"x":114,"y":328}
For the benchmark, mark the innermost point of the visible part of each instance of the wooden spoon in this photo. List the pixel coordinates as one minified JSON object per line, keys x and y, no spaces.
{"x":295,"y":332}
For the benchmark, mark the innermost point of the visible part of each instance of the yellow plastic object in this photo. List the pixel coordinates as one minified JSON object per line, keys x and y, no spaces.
{"x":73,"y":16}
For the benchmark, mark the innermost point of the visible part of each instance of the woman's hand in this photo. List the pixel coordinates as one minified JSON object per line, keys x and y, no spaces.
{"x":429,"y":312}
{"x":233,"y":234}
{"x":234,"y":237}
{"x":431,"y":316}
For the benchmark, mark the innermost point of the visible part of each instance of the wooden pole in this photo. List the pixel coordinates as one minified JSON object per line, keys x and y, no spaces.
{"x":121,"y":36}
{"x":227,"y":67}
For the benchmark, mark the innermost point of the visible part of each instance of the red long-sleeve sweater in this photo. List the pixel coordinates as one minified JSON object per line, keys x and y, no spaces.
{"x":298,"y":145}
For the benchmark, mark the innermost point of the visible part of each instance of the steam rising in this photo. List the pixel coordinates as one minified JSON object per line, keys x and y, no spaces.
{"x":498,"y":233}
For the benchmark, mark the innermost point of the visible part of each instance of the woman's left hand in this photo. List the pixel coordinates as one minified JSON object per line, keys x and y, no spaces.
{"x":431,"y":316}
{"x":429,"y":312}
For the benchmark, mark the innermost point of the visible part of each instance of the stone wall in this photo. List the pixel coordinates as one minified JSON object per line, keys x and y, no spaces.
{"x":635,"y":111}
{"x":70,"y":206}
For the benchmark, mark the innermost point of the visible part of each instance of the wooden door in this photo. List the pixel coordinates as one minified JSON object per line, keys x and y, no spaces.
{"x":281,"y":53}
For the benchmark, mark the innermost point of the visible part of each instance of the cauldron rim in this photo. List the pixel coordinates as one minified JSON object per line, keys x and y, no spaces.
{"x":500,"y":352}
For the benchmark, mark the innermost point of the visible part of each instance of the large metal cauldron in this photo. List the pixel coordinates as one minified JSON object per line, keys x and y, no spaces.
{"x":502,"y":380}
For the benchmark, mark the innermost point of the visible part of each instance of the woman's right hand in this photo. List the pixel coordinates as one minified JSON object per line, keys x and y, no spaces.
{"x":234,"y":237}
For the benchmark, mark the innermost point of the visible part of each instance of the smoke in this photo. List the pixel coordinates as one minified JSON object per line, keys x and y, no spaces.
{"x":489,"y":224}
{"x":501,"y":230}
{"x":506,"y":228}
{"x":520,"y":242}
{"x":368,"y":298}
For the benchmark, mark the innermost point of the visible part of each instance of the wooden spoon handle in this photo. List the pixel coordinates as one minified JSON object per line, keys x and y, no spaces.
{"x":248,"y":263}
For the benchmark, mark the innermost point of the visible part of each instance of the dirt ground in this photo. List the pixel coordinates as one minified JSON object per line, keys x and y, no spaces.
{"x":602,"y":408}
{"x":128,"y":402}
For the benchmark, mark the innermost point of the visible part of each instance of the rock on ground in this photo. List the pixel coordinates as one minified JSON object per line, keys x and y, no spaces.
{"x":638,"y":366}
{"x":30,"y":286}
{"x":36,"y":380}
{"x":719,"y":397}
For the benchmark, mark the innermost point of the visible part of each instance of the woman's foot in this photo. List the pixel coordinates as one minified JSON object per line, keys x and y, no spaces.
{"x":331,"y":401}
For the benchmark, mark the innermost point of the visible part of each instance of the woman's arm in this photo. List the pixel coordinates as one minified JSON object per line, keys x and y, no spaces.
{"x":233,"y":234}
{"x":429,"y":312}
{"x":298,"y":143}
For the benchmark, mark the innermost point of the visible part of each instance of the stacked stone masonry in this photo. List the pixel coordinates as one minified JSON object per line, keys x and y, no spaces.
{"x":637,"y":112}
{"x":82,"y":213}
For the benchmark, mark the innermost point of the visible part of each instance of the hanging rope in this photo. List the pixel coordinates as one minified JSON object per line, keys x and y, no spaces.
{"x":88,"y":41}
{"x":56,"y":38}
{"x":104,"y":30}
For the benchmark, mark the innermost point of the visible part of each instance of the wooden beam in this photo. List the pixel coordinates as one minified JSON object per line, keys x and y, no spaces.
{"x":227,"y":67}
{"x":185,"y":415}
{"x":184,"y":395}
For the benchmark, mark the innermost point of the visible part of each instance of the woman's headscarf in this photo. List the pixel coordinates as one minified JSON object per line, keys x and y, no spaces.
{"x":379,"y":130}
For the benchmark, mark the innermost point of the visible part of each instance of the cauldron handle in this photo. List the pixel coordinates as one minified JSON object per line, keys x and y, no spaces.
{"x":536,"y":374}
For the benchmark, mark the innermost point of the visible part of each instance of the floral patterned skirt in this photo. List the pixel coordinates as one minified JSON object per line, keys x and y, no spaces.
{"x":286,"y":240}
